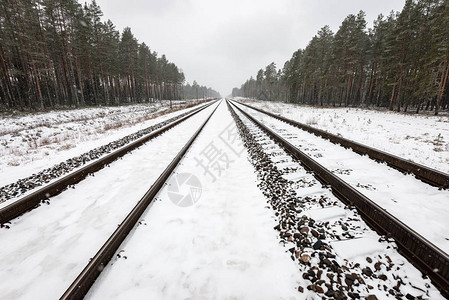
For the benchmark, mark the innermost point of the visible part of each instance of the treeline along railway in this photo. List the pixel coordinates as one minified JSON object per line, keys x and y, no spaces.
{"x":60,"y":53}
{"x":400,"y":63}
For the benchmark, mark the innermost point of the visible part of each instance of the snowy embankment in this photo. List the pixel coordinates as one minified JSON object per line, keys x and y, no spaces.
{"x":420,"y":138}
{"x":31,"y":143}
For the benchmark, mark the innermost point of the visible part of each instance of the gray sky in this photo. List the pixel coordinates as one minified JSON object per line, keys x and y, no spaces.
{"x":222,"y":43}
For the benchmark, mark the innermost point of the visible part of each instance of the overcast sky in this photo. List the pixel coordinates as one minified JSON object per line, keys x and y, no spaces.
{"x":220,"y":44}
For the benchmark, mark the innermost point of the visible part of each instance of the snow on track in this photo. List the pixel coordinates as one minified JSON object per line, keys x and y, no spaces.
{"x":221,"y":247}
{"x":421,"y":138}
{"x":47,"y":248}
{"x":420,"y":206}
{"x":337,"y":253}
{"x":46,"y":176}
{"x":18,"y":160}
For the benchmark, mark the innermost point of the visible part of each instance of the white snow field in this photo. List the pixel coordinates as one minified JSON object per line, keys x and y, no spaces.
{"x":209,"y":234}
{"x":420,"y":138}
{"x":420,"y":206}
{"x":44,"y":250}
{"x":356,"y":247}
{"x":223,"y":246}
{"x":31,"y":143}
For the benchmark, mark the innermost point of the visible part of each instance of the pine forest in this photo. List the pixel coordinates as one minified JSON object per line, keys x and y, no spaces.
{"x":401,"y":63}
{"x":60,"y":54}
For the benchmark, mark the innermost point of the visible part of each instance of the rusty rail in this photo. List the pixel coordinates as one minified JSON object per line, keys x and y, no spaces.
{"x":79,"y":288}
{"x":428,"y":258}
{"x":426,"y":174}
{"x":32,"y":200}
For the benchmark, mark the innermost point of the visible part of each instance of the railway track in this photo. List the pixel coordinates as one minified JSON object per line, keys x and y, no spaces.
{"x":33,"y":200}
{"x":79,"y":288}
{"x":428,"y":258}
{"x":398,"y":193}
{"x":424,"y":173}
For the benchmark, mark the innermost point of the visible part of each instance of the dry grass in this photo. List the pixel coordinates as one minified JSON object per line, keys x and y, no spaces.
{"x":66,"y":147}
{"x":68,"y":139}
{"x":45,"y":141}
{"x":32,"y":143}
{"x":114,"y":125}
{"x":311,"y":121}
{"x":14,"y":163}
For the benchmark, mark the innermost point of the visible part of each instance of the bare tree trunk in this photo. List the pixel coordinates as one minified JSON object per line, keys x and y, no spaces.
{"x":33,"y":65}
{"x":392,"y":97}
{"x":105,"y":91}
{"x":69,"y":59}
{"x":6,"y":77}
{"x":442,"y":87}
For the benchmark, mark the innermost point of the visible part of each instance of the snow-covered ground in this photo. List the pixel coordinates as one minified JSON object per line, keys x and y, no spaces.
{"x":44,"y":250}
{"x":401,"y":195}
{"x":210,"y":233}
{"x":222,"y":246}
{"x":31,"y":143}
{"x":336,"y":252}
{"x":16,"y":122}
{"x":421,"y":138}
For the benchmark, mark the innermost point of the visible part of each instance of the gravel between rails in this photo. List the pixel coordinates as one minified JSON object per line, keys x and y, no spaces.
{"x":320,"y":232}
{"x":401,"y":195}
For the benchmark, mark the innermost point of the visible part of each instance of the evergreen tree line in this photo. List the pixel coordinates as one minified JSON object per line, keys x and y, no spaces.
{"x":196,"y":91}
{"x":59,"y":53}
{"x":401,"y":63}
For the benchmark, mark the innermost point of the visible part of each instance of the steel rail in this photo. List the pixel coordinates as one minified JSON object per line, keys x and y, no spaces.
{"x":427,"y":257}
{"x":426,"y":174}
{"x":79,"y":288}
{"x":29,"y":202}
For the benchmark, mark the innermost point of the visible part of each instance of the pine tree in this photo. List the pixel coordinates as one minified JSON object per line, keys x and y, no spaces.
{"x":58,"y":53}
{"x":402,"y":62}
